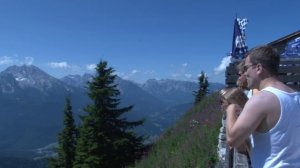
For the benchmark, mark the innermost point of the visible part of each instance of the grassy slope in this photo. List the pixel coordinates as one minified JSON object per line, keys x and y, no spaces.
{"x":192,"y":142}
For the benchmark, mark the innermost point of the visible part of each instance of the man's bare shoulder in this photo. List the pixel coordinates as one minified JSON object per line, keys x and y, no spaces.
{"x":258,"y":110}
{"x":261,"y":103}
{"x":262,"y":97}
{"x":281,"y":86}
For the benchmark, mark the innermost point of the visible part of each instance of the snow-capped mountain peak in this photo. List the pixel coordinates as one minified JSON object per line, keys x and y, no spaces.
{"x":26,"y":76}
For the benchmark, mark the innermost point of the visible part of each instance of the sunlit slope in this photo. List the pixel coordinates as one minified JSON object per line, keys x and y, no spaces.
{"x":192,"y":142}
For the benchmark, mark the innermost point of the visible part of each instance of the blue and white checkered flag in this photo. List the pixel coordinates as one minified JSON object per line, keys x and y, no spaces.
{"x":242,"y":24}
{"x":239,"y":47}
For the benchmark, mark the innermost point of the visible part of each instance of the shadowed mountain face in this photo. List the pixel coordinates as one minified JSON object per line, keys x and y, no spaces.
{"x":32,"y":104}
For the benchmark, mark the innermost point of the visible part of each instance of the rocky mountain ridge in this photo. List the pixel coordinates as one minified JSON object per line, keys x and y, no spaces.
{"x":32,"y":104}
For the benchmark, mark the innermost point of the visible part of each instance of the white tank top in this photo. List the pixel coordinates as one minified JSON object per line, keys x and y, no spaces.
{"x":280,"y":146}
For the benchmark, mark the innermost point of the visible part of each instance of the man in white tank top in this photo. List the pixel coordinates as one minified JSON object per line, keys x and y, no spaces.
{"x":272,"y":115}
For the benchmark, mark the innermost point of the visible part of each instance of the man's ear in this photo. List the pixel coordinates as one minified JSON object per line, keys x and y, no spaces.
{"x":259,"y":68}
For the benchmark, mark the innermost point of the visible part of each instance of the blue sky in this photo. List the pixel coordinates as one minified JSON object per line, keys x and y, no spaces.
{"x":140,"y":39}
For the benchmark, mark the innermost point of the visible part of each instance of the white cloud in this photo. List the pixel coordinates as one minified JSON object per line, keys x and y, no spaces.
{"x":126,"y":76}
{"x":91,"y":67}
{"x":149,"y":72}
{"x":224,"y":63}
{"x":6,"y":60}
{"x":175,"y":75}
{"x":137,"y":75}
{"x":133,"y":72}
{"x":63,"y":65}
{"x":188,"y":76}
{"x":184,"y":65}
{"x":118,"y":73}
{"x":29,"y":60}
{"x":181,"y":72}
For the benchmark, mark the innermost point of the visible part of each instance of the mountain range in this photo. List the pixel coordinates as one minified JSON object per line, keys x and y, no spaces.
{"x":32,"y":104}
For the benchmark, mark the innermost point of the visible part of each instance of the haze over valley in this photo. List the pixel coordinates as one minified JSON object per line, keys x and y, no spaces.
{"x":32,"y":104}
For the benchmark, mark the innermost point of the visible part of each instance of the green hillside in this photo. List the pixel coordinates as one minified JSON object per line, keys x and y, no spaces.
{"x":192,"y":142}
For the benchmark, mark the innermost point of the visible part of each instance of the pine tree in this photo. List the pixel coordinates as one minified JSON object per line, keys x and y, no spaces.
{"x":66,"y":140}
{"x":106,"y":138}
{"x":203,"y":87}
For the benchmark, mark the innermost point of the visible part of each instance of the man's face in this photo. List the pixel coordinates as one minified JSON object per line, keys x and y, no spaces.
{"x":250,"y":73}
{"x":242,"y":77}
{"x":242,"y":80}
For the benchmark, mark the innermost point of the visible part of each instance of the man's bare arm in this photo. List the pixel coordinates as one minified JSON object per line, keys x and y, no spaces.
{"x":253,"y":114}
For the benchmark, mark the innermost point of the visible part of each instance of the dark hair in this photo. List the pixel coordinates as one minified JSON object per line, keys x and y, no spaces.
{"x":267,"y":56}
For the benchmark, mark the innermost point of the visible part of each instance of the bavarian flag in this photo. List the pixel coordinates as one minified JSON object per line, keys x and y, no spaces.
{"x":239,"y":47}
